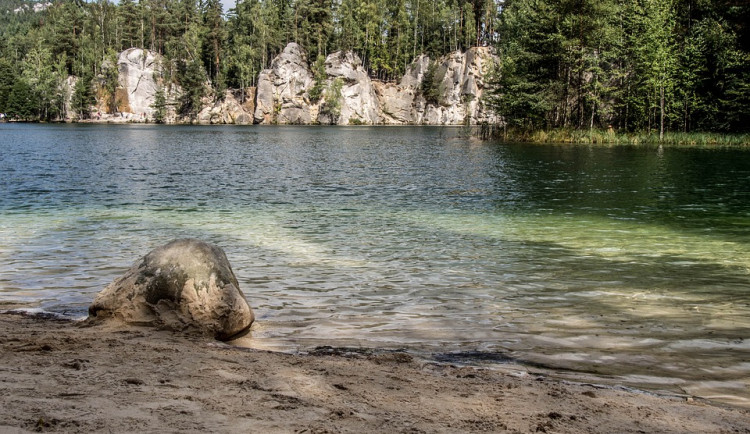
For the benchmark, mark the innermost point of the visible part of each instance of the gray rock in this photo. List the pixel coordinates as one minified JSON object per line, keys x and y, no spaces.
{"x":396,"y":103}
{"x":137,"y":68}
{"x":282,"y":89}
{"x":462,"y":84}
{"x":460,"y":78}
{"x":186,"y":284}
{"x":228,"y":110}
{"x":359,"y":102}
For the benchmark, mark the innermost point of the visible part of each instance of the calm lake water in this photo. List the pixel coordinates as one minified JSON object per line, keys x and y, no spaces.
{"x":616,"y":265}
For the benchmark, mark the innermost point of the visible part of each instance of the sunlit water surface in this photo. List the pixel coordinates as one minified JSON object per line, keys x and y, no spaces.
{"x":615,"y":265}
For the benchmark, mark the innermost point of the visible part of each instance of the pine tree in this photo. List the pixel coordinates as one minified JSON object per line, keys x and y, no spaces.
{"x":83,"y":97}
{"x":160,"y":106}
{"x":130,"y":24}
{"x":319,"y":73}
{"x":192,"y":81}
{"x":21,"y":102}
{"x":214,"y":37}
{"x":7,"y":79}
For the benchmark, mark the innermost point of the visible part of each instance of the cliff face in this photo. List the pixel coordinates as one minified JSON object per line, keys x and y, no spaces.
{"x":284,"y":91}
{"x":346,"y":95}
{"x":137,"y":69}
{"x":358,"y":100}
{"x":461,"y":84}
{"x":281,"y":95}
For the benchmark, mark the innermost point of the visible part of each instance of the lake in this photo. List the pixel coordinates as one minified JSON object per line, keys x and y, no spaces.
{"x":621,"y":265}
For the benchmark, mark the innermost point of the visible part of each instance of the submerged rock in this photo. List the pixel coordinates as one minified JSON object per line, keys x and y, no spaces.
{"x":186,"y":284}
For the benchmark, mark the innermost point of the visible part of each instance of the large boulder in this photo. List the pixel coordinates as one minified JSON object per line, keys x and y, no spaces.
{"x":186,"y":284}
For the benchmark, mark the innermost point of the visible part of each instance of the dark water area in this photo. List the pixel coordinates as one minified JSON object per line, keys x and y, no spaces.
{"x":627,"y":265}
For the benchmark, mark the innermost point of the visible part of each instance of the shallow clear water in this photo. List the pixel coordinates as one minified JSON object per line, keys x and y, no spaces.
{"x":621,"y":265}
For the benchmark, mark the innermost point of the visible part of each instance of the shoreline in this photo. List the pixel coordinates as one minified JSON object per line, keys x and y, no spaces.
{"x":61,"y":376}
{"x":596,"y":138}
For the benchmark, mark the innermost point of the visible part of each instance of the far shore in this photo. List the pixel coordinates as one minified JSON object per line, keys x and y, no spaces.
{"x":59,"y":376}
{"x":606,"y":138}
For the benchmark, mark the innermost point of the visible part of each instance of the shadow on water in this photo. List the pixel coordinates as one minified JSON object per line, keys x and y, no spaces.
{"x":688,"y":189}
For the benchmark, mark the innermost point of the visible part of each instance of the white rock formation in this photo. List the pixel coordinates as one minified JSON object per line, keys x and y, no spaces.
{"x":461,"y":83}
{"x":282,"y":89}
{"x":137,"y":69}
{"x":460,"y":79}
{"x":359,"y":101}
{"x":398,"y":103}
{"x":282,"y":95}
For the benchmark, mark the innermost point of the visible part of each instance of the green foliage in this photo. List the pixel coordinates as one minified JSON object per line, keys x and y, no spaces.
{"x":7,"y":79}
{"x":430,"y":86}
{"x":319,"y":71}
{"x":110,"y":81}
{"x":332,"y":104}
{"x":21,"y":104}
{"x":192,"y":78}
{"x":83,"y":97}
{"x":653,"y":65}
{"x":160,"y":106}
{"x":610,"y":137}
{"x":214,"y":35}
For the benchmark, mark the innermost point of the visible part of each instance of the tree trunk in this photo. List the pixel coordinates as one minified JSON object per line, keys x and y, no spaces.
{"x":661,"y":113}
{"x":416,"y":24}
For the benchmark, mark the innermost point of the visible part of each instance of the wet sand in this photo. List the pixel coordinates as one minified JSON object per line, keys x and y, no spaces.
{"x":57,"y":376}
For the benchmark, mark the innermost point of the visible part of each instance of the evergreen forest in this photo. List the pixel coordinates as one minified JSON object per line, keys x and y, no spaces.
{"x":632,"y":65}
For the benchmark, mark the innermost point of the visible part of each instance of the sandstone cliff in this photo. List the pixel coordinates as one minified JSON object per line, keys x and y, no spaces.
{"x":284,"y":91}
{"x":137,"y":70}
{"x":288,"y":92}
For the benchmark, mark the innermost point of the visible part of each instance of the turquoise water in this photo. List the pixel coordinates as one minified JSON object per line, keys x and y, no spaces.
{"x":618,"y":265}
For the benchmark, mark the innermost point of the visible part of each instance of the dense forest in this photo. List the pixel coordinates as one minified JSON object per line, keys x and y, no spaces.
{"x":635,"y":65}
{"x":632,"y":65}
{"x":199,"y":41}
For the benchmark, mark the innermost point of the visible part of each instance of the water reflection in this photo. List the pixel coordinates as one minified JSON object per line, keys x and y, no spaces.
{"x":623,"y":263}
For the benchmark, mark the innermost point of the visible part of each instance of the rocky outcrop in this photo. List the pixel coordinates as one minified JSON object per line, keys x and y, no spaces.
{"x":70,"y":84}
{"x":283,"y":93}
{"x":184,"y":285}
{"x":401,"y":103}
{"x":344,"y":95}
{"x":358,"y":100}
{"x":282,"y":89}
{"x":231,"y":109}
{"x":137,"y":70}
{"x":460,"y":80}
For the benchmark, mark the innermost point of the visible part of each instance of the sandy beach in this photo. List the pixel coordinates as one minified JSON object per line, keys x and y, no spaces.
{"x":59,"y":376}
